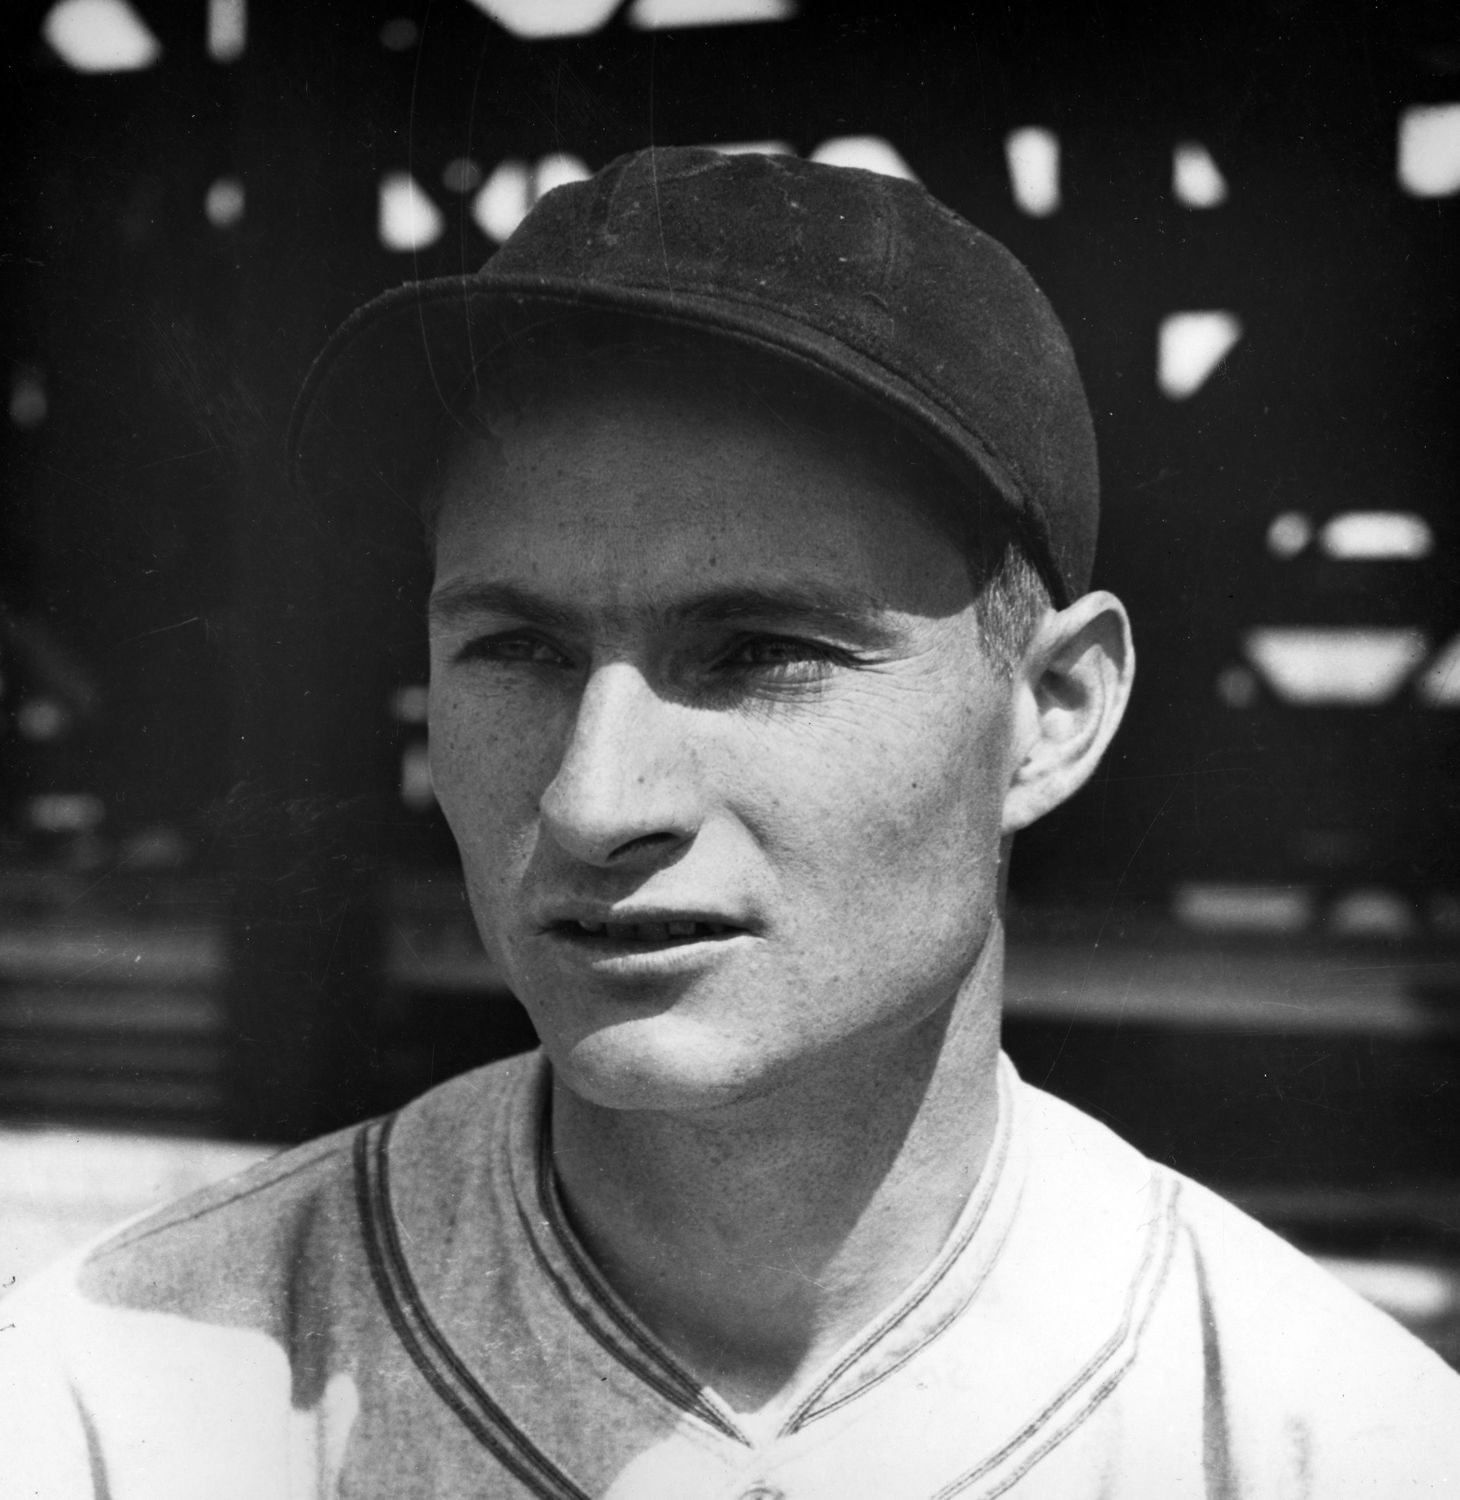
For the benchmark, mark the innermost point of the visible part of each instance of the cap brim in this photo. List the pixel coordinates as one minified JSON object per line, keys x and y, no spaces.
{"x":382,"y":398}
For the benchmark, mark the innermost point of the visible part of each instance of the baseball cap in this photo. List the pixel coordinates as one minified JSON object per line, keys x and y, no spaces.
{"x":862,"y":277}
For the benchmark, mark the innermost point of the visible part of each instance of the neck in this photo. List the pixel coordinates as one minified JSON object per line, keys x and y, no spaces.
{"x":756,"y":1239}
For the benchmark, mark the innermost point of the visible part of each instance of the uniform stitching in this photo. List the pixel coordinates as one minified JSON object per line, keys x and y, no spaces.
{"x":936,"y":1331}
{"x":804,"y":1413}
{"x":683,"y":1386}
{"x":1139,"y":1305}
{"x":674,"y":1393}
{"x":428,"y":1349}
{"x":147,"y":1229}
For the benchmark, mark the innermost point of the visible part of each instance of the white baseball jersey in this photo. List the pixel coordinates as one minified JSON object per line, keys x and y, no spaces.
{"x":402,"y":1310}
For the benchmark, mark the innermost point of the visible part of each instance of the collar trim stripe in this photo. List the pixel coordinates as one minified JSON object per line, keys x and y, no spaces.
{"x":424,"y":1341}
{"x":657,"y":1367}
{"x":991,"y":1179}
{"x":1101,"y":1375}
{"x":669,"y":1384}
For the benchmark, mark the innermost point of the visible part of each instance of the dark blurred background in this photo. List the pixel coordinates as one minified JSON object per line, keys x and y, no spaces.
{"x":228,"y":908}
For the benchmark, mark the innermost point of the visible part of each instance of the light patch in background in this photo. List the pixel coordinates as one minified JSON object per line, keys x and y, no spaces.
{"x":504,"y":199}
{"x":224,"y":202}
{"x":557,"y":170}
{"x":408,"y":704}
{"x":655,"y":15}
{"x":1439,"y":683}
{"x":870,"y":152}
{"x":28,"y":402}
{"x":1196,"y":179}
{"x":1429,"y":150}
{"x":745,"y":148}
{"x":1371,"y":914}
{"x":1411,"y":1293}
{"x":1190,"y":346}
{"x":416,"y":790}
{"x":1289,"y":533}
{"x":100,"y":36}
{"x":515,"y":186}
{"x":1033,"y":155}
{"x":408,"y":219}
{"x":65,"y":812}
{"x":1308,"y":665}
{"x":1243,"y":908}
{"x":227,"y":29}
{"x":461,"y":175}
{"x":42,"y":719}
{"x":399,"y":35}
{"x":62,"y":1187}
{"x":1377,"y":535}
{"x":542,"y":18}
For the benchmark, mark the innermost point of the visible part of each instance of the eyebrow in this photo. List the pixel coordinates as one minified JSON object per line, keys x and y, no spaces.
{"x":456,"y":604}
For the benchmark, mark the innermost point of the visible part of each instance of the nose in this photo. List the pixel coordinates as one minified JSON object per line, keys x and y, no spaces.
{"x":624,"y":793}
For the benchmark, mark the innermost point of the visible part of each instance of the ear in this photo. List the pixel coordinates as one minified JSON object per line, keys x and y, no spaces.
{"x":1070,"y":694}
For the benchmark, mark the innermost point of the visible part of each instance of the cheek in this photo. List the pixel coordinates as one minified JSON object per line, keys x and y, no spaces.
{"x":487,"y":775}
{"x":891,"y":807}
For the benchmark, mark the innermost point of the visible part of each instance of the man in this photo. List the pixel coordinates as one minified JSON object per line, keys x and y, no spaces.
{"x":762,"y":501}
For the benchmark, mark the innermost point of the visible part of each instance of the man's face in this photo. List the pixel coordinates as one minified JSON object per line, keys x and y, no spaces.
{"x":712,"y":727}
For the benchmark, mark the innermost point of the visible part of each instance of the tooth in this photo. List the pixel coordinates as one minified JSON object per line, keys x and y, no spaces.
{"x":594,"y":927}
{"x":681,"y":929}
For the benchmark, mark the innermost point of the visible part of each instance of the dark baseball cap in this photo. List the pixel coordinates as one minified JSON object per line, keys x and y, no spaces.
{"x":865,"y":278}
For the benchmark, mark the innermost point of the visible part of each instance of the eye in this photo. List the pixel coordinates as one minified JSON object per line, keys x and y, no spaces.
{"x":512,"y":648}
{"x":782,"y":656}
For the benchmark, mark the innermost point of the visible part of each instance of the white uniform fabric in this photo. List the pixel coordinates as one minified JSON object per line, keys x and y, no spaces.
{"x":402,"y":1311}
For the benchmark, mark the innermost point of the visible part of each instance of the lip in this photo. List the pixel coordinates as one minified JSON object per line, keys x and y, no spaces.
{"x":619,"y":914}
{"x":641,"y":939}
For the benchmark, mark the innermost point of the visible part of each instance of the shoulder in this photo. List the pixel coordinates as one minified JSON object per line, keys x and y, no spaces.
{"x":1300,"y":1374}
{"x":229,"y":1313}
{"x":1252,"y":1281}
{"x":1310,"y":1379}
{"x":120,"y":1348}
{"x":1299,"y":1321}
{"x":237,"y":1252}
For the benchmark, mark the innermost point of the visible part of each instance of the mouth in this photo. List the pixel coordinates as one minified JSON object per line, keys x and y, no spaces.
{"x":671,"y":932}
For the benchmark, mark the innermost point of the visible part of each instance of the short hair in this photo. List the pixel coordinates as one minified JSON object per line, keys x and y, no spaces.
{"x":1010,"y":599}
{"x":1011,"y":596}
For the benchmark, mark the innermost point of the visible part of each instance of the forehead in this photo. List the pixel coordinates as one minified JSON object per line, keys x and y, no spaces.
{"x":635,"y":470}
{"x":581,"y":442}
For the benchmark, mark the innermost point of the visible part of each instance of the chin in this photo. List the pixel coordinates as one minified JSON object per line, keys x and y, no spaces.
{"x":650,"y":1065}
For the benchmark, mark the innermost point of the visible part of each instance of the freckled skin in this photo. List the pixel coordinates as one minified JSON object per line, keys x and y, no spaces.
{"x":702,"y":643}
{"x":846,"y":807}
